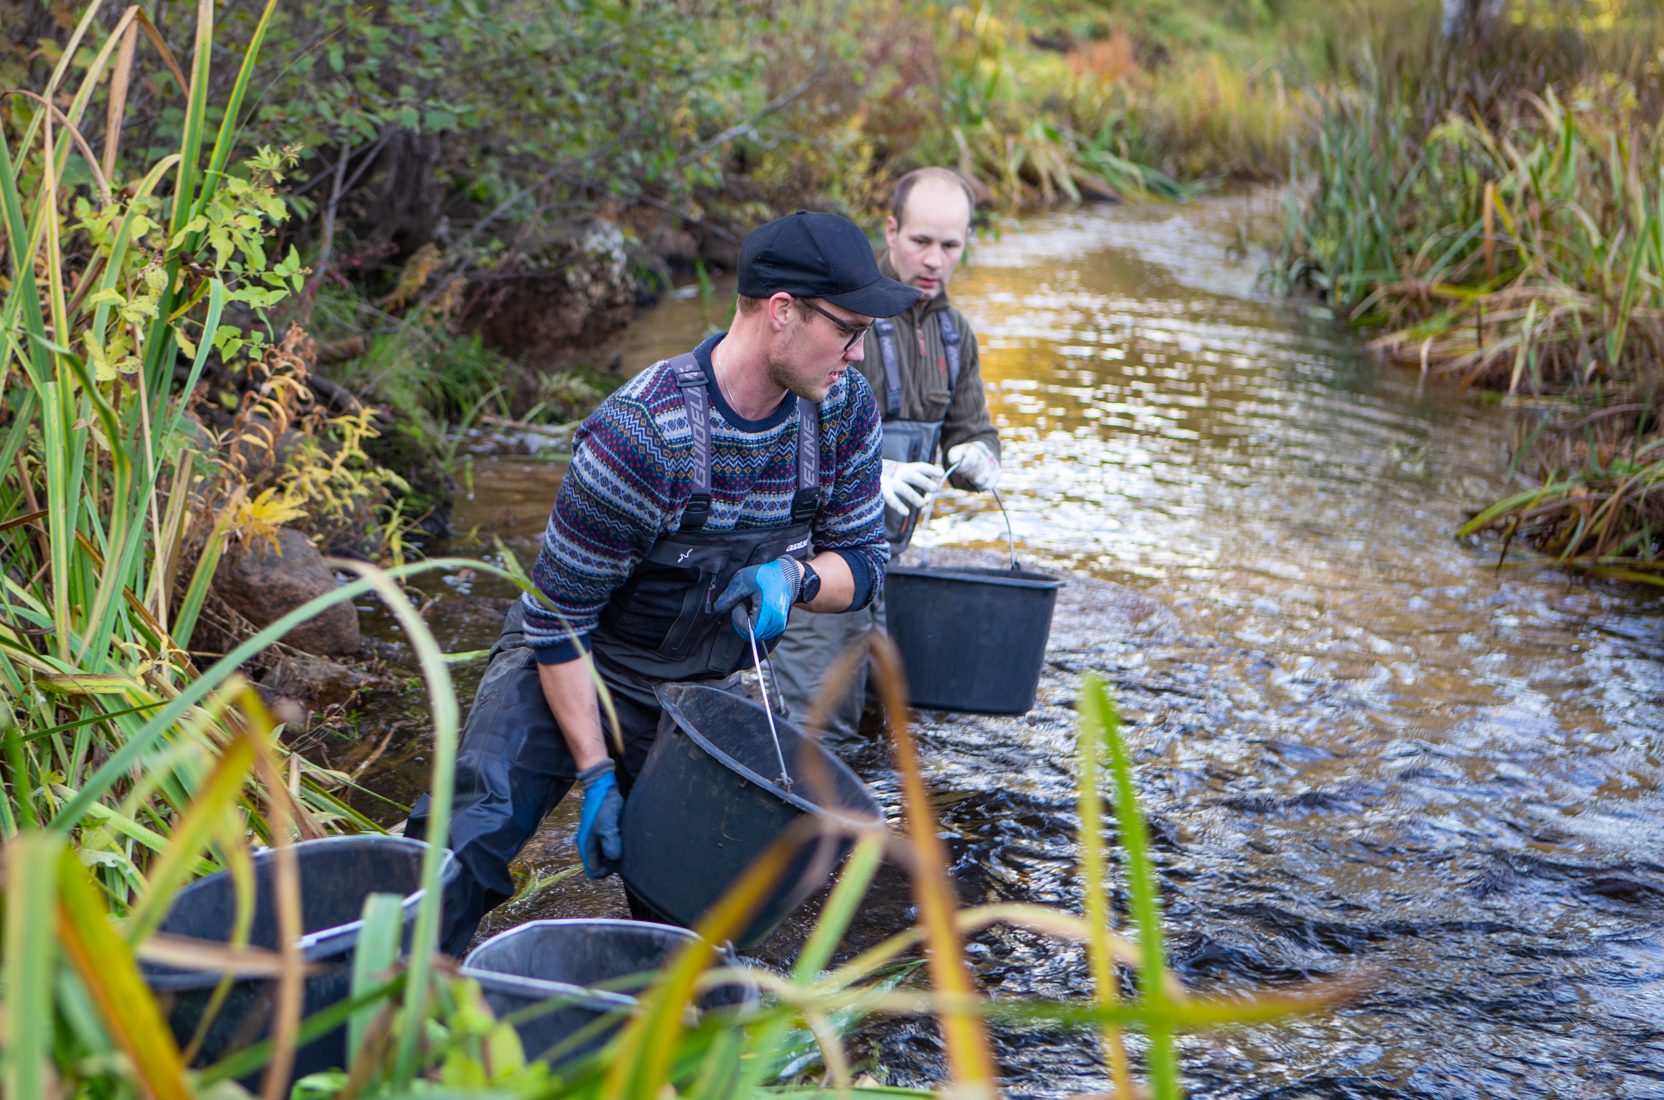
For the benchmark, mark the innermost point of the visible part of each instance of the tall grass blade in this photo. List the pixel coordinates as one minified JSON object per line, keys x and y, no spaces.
{"x":22,"y":778}
{"x":31,"y":869}
{"x":225,"y":139}
{"x":1097,"y":710}
{"x":647,"y":1047}
{"x":840,"y":907}
{"x":373,"y":959}
{"x":835,"y":917}
{"x":442,"y":699}
{"x":1096,"y":890}
{"x":109,"y":972}
{"x":207,"y":814}
{"x":285,"y":885}
{"x":969,"y":1050}
{"x":190,"y":138}
{"x":1632,"y":287}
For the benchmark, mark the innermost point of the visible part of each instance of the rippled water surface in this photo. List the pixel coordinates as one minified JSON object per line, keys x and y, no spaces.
{"x":1364,"y":750}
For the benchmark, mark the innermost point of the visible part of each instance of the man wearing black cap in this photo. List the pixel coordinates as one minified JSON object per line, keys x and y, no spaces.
{"x":741,"y":476}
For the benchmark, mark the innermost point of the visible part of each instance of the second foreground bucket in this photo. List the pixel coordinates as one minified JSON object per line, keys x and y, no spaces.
{"x":708,"y":802}
{"x":972,"y":640}
{"x":336,"y":875}
{"x":567,"y":985}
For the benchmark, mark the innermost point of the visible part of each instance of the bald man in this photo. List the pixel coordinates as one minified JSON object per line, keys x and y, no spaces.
{"x":923,"y":367}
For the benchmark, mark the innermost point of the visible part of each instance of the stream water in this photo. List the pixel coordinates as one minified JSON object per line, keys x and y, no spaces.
{"x":1364,"y":750}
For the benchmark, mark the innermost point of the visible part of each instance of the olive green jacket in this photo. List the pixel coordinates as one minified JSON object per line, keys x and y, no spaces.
{"x":924,"y":374}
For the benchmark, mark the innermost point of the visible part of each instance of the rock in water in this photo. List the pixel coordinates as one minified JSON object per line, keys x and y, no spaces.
{"x":263,"y":583}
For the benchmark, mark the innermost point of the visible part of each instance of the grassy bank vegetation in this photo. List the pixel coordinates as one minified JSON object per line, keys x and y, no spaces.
{"x":444,"y":153}
{"x":117,"y":498}
{"x":1494,"y":207}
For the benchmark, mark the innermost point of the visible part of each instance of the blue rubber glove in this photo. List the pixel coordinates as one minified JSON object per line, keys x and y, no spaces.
{"x":600,"y":836}
{"x":769,"y":590}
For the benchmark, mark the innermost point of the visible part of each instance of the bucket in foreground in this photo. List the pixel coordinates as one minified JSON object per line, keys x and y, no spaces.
{"x":708,"y":802}
{"x":971,"y":639}
{"x":336,"y":875}
{"x":568,"y":985}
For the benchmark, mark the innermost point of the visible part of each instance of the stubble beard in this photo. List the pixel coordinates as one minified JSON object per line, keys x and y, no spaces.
{"x":779,"y":370}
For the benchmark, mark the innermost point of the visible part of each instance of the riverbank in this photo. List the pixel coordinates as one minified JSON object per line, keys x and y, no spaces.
{"x":1489,"y":209}
{"x":465,"y":240}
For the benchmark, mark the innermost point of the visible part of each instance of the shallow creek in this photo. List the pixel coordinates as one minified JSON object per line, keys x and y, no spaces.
{"x":1363,"y":749}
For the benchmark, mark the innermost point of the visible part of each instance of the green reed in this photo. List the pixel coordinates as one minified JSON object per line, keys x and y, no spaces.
{"x":109,"y":282}
{"x":128,"y":772}
{"x":1506,"y":230}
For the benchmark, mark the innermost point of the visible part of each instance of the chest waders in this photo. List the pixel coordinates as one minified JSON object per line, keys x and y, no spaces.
{"x":910,"y":440}
{"x":659,"y":623}
{"x":514,"y":765}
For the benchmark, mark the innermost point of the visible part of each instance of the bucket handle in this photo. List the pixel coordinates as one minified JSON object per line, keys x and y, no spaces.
{"x":768,"y":707}
{"x":1010,"y":536}
{"x":929,"y":503}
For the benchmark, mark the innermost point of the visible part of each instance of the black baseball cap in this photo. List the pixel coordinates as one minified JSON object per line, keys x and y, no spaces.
{"x":811,"y":254}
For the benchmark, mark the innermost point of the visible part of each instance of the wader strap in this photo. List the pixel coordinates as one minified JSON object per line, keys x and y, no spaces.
{"x":886,"y":329}
{"x":690,"y":379}
{"x":807,"y":499}
{"x":950,"y":344}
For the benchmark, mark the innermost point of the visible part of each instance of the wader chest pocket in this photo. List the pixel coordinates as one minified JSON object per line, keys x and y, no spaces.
{"x":910,"y":440}
{"x":658,"y":608}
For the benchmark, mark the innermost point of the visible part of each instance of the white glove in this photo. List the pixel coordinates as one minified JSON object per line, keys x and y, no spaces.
{"x":905,"y":486}
{"x":977,"y":465}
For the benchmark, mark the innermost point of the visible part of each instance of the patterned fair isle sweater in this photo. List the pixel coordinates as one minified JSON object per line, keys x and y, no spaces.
{"x":632,"y":474}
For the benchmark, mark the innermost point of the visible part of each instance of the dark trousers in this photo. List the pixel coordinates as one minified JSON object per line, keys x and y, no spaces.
{"x":513,"y":767}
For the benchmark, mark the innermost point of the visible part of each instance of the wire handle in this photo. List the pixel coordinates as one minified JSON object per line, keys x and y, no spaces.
{"x":768,"y":707}
{"x":1010,"y":536}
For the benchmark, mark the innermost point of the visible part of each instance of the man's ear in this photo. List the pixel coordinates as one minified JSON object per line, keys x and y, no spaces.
{"x":891,"y":229}
{"x":779,"y":310}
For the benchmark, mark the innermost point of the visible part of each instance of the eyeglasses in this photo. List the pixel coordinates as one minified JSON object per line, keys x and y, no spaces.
{"x":855,"y":334}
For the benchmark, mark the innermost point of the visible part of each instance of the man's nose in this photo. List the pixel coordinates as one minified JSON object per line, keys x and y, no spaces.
{"x":856,"y":353}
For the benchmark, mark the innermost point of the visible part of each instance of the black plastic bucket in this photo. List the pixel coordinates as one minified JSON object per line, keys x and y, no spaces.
{"x":707,"y":803}
{"x":971,"y":639}
{"x":546,"y":974}
{"x":336,"y":875}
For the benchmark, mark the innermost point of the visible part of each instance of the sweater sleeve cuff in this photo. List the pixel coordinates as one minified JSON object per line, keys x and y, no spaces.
{"x":558,"y":652}
{"x":860,"y":569}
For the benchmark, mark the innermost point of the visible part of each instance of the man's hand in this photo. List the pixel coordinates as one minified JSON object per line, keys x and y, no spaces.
{"x":600,"y":832}
{"x":768,"y":590}
{"x":905,"y":486}
{"x":977,"y":465}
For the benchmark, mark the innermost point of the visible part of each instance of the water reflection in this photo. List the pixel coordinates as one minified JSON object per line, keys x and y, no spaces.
{"x":1368,"y":748}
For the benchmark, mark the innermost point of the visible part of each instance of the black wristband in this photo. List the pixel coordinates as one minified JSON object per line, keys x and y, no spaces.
{"x":811,"y":584}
